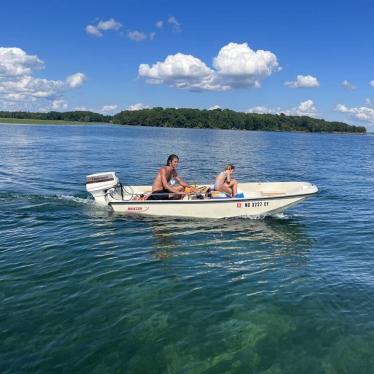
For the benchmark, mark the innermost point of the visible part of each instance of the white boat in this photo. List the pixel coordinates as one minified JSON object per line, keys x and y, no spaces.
{"x":258,"y":199}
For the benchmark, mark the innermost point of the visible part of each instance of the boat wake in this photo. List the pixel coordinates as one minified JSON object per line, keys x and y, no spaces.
{"x":282,"y":215}
{"x":261,"y":217}
{"x":39,"y":199}
{"x":75,"y":199}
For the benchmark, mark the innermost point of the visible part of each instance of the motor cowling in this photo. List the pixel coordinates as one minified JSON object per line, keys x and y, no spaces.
{"x":98,"y":185}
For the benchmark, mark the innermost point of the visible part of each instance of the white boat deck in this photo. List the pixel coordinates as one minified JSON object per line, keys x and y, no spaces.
{"x":249,"y":190}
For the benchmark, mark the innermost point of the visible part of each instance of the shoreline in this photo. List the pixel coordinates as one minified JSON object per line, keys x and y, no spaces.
{"x":25,"y":121}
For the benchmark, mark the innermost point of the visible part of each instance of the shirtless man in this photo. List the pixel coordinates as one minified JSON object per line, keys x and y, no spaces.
{"x":225,"y":183}
{"x":163,"y":187}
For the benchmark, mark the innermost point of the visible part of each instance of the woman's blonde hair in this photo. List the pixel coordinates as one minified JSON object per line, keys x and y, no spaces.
{"x":229,"y":167}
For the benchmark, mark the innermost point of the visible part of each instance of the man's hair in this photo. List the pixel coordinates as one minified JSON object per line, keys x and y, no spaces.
{"x":229,"y":167}
{"x":171,"y":158}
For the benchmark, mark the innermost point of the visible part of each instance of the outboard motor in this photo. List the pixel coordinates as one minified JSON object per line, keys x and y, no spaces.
{"x":99,"y":184}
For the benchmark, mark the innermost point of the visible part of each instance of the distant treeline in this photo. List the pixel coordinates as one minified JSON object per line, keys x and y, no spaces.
{"x":228,"y":119}
{"x":195,"y":118}
{"x":76,"y":116}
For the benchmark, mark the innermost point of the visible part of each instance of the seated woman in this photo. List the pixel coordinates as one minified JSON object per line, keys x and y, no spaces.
{"x":225,"y":183}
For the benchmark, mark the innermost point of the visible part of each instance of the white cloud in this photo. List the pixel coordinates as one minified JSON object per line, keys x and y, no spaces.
{"x":105,"y":109}
{"x":214,"y":107}
{"x":152,"y":35}
{"x":136,"y":35}
{"x":160,"y":24}
{"x":363,"y":113}
{"x":76,"y":80}
{"x":180,"y":71}
{"x":305,"y":108}
{"x":372,"y":83}
{"x":239,"y":66}
{"x":342,"y":108}
{"x":28,"y":88}
{"x":108,"y":109}
{"x":303,"y":81}
{"x":368,"y":101}
{"x":262,"y":110}
{"x":15,"y":62}
{"x":93,"y":30}
{"x":174,"y":23}
{"x":42,"y":110}
{"x":20,"y":89}
{"x":348,"y":85}
{"x":235,"y":66}
{"x":59,"y":104}
{"x":137,"y":106}
{"x":110,"y":24}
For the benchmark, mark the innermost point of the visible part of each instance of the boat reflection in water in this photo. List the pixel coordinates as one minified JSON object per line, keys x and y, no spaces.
{"x":277,"y":236}
{"x":171,"y":237}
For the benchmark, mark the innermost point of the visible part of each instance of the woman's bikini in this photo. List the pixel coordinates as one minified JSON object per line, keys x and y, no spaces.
{"x":224,"y":175}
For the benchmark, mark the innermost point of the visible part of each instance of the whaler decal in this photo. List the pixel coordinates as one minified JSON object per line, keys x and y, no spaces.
{"x":136,"y":209}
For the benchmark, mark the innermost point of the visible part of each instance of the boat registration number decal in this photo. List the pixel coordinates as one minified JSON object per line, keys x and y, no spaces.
{"x":256,"y":204}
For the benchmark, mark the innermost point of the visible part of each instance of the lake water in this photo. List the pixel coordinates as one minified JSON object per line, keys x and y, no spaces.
{"x":85,"y":290}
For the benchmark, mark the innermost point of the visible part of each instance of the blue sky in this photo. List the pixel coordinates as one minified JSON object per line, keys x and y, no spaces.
{"x":313,"y":58}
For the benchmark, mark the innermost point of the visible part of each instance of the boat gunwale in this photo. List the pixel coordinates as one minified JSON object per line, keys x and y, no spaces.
{"x":204,"y":201}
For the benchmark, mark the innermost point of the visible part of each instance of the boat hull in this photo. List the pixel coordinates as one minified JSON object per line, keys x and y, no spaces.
{"x":225,"y":208}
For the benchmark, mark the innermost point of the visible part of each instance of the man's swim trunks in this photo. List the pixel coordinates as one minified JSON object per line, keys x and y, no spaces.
{"x":159,"y":195}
